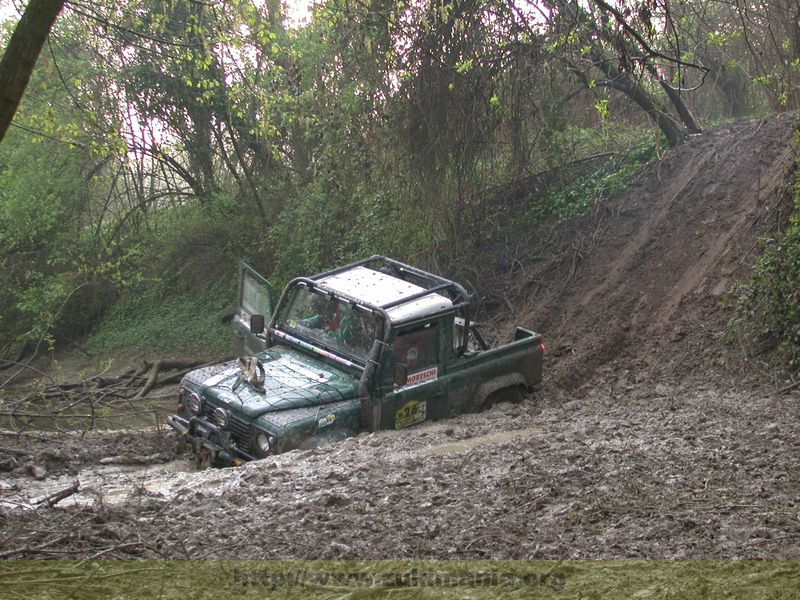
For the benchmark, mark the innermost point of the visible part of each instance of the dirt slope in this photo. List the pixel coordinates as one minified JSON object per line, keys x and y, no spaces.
{"x":656,"y":263}
{"x":641,"y":442}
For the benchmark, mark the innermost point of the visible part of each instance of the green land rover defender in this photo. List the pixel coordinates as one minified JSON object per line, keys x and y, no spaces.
{"x":372,"y":345}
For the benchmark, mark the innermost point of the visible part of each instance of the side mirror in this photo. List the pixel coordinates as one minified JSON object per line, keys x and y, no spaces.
{"x":400,"y":374}
{"x":257,"y":324}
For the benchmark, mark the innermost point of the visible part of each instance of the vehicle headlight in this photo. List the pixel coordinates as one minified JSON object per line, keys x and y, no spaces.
{"x":194,"y":403}
{"x":221,"y":417}
{"x":262,"y":442}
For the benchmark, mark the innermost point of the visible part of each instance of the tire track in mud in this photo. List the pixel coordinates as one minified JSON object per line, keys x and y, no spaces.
{"x":619,"y":470}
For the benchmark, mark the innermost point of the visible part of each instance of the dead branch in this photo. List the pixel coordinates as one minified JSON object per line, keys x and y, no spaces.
{"x":176,"y":377}
{"x":41,"y":549}
{"x":151,"y":381}
{"x":57,"y":497}
{"x":18,"y":451}
{"x":93,"y":397}
{"x":164,"y":365}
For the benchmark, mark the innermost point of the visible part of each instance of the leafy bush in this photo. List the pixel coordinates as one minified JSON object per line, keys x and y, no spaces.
{"x":770,"y":300}
{"x":621,"y":156}
{"x":45,"y":252}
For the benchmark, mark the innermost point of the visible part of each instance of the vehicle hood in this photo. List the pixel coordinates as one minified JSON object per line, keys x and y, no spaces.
{"x":293,"y":380}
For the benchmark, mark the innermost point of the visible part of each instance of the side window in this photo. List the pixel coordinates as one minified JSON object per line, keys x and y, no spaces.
{"x":418,"y":349}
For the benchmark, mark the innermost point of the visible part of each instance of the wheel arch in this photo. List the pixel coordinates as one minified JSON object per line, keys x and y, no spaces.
{"x":487,"y":388}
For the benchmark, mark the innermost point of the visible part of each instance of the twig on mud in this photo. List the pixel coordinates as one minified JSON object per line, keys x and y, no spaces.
{"x":789,"y":388}
{"x":41,"y":549}
{"x":577,"y":257}
{"x":177,"y":540}
{"x":19,"y":451}
{"x":60,"y":495}
{"x":789,"y":536}
{"x":681,"y":511}
{"x":491,"y":534}
{"x":92,"y":417}
{"x":255,"y":535}
{"x":115,"y":548}
{"x":526,"y":504}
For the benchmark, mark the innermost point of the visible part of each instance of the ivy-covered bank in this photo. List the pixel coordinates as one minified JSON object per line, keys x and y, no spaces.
{"x":770,"y":300}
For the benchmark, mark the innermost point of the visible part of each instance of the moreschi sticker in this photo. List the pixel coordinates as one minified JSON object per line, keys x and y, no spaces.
{"x":410,"y":414}
{"x":421,"y":377}
{"x":325,"y":421}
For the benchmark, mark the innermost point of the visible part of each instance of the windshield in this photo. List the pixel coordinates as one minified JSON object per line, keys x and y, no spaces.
{"x":330,"y":322}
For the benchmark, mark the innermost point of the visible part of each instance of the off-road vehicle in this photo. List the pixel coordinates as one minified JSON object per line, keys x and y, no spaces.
{"x":375,"y":344}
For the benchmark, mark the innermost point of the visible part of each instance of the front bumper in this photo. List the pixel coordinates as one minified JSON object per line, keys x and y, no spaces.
{"x":206,"y":437}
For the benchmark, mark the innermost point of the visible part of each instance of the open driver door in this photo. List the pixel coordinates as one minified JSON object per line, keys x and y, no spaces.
{"x":254,"y":298}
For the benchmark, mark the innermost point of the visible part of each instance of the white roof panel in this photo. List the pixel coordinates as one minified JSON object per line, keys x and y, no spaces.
{"x":381,"y":289}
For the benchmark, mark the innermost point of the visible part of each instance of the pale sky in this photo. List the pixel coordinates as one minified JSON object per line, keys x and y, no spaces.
{"x":7,"y":10}
{"x":297,"y":11}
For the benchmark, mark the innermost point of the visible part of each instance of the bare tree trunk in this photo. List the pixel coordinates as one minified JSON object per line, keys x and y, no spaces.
{"x":674,"y":96}
{"x":21,"y":53}
{"x":659,"y":113}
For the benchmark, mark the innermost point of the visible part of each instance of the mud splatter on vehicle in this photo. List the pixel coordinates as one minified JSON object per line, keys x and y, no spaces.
{"x":372,"y":345}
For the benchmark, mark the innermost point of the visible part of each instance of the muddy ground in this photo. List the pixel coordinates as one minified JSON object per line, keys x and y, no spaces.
{"x":658,"y":433}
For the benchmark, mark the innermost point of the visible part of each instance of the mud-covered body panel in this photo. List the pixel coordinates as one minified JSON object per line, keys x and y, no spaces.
{"x":301,"y":396}
{"x":292,"y":380}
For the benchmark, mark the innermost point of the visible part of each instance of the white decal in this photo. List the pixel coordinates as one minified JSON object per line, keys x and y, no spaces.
{"x":421,"y":377}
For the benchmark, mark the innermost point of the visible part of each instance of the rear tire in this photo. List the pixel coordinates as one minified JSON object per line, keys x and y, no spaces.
{"x":514,"y":394}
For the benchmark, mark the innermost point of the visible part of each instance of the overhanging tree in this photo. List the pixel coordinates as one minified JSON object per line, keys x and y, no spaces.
{"x":21,"y":54}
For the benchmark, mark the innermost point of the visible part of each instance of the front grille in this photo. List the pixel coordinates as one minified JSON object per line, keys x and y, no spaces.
{"x":240,"y":429}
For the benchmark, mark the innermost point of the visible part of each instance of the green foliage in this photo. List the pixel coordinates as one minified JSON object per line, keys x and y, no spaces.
{"x":45,"y":256}
{"x":162,"y":149}
{"x":191,"y":247}
{"x":326,"y":226}
{"x":189,"y":322}
{"x":593,"y":179}
{"x":769,"y":301}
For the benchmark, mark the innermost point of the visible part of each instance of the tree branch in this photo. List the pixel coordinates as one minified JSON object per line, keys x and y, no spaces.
{"x":642,"y":42}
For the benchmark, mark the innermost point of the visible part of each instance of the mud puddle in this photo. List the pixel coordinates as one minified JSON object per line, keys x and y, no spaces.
{"x":101,"y":485}
{"x":110,"y":483}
